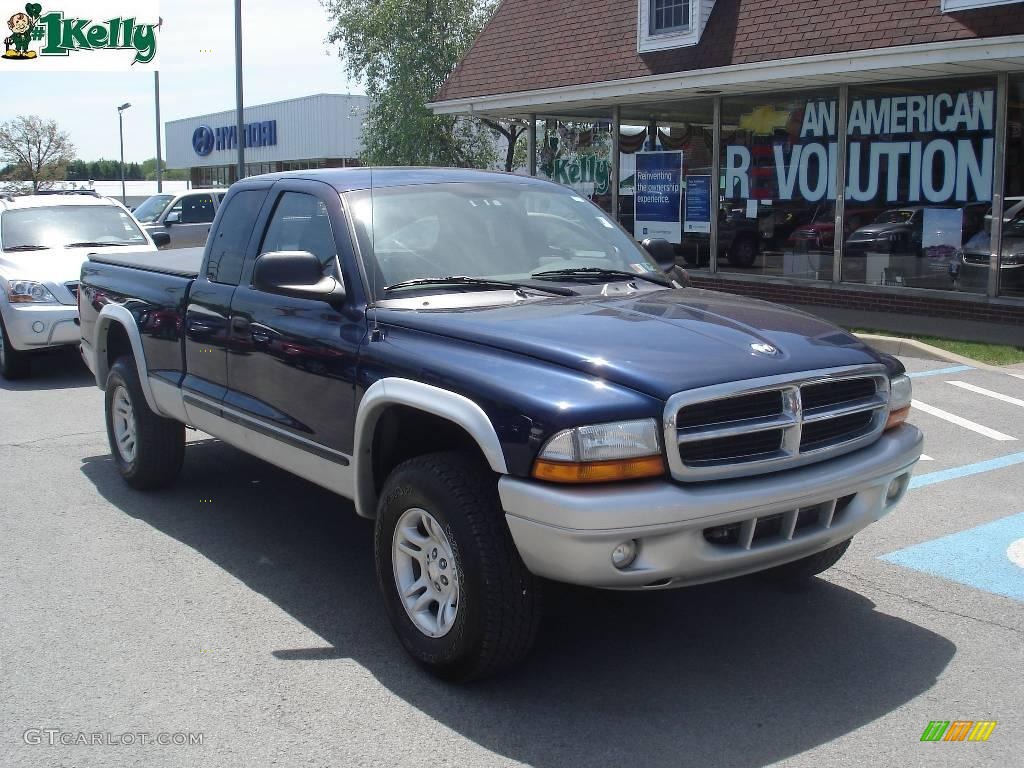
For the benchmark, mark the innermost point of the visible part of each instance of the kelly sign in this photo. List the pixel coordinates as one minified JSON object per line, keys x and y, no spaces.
{"x":76,"y":36}
{"x":658,"y":196}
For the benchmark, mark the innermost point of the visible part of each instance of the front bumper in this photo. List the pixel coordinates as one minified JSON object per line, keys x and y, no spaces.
{"x":34,"y":326}
{"x":568,"y":533}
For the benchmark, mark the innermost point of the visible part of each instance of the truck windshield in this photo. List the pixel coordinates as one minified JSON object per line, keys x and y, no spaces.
{"x":498,"y":231}
{"x":151,"y":208}
{"x":61,"y":226}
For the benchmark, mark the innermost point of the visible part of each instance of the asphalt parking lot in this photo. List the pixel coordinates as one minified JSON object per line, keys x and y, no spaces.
{"x":241,"y":605}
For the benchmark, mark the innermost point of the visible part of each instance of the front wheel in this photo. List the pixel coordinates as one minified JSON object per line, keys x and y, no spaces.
{"x":147,"y":448}
{"x":454,"y":587}
{"x":13,"y":364}
{"x":808,"y":567}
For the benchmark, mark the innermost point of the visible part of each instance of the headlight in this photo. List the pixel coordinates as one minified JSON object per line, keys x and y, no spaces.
{"x":26,"y":292}
{"x":901,"y":393}
{"x":601,"y":453}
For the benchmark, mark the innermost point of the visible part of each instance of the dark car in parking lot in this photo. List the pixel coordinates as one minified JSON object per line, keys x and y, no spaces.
{"x":972,"y":268}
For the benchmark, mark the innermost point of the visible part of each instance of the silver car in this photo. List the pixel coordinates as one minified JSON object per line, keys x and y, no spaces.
{"x":185,"y":216}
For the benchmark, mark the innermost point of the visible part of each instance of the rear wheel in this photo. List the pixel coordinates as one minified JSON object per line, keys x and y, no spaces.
{"x":457,"y":593}
{"x":147,"y":448}
{"x":808,"y":567}
{"x":13,"y":363}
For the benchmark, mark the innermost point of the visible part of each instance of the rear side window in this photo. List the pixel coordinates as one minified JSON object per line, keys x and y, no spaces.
{"x":227,"y":251}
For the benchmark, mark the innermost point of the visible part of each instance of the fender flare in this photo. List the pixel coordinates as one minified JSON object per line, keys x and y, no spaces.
{"x":444,"y":403}
{"x":117,"y":313}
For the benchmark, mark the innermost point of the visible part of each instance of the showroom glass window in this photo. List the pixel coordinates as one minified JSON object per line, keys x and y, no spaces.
{"x":577,"y":155}
{"x":1011,"y":268}
{"x":687,"y":129}
{"x":919,"y":184}
{"x":778,"y":180}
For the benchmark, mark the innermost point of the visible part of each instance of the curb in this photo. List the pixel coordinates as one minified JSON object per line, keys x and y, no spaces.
{"x":894,"y":345}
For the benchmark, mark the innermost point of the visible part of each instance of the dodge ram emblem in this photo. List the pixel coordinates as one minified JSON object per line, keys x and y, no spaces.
{"x":764,"y":349}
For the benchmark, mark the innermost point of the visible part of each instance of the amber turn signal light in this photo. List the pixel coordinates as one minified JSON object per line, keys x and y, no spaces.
{"x":598,"y":471}
{"x":897,"y":417}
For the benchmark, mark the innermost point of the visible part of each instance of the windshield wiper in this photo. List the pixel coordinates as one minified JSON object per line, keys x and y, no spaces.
{"x":97,"y":244}
{"x":477,"y":282}
{"x":15,"y":248}
{"x":587,"y":272}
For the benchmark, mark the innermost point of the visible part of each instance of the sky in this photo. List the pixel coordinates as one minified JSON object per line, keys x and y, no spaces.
{"x":284,"y":56}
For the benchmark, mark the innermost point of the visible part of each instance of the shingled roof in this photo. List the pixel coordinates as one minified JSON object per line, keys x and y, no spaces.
{"x":532,"y":44}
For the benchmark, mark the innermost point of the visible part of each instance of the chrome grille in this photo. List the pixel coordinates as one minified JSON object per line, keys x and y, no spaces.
{"x":766,"y":425}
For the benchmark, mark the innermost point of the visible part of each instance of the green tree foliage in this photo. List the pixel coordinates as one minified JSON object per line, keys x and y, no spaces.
{"x":35,"y":150}
{"x":149,"y":171}
{"x":103,"y":170}
{"x":403,"y":52}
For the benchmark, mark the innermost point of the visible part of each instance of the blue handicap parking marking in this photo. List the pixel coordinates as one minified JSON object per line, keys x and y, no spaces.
{"x":989,"y":557}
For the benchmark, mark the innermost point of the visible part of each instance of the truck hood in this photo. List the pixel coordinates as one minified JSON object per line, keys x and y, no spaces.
{"x":55,"y":265}
{"x":656,"y":342}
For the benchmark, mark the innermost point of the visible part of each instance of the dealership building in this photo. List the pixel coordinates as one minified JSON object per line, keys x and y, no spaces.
{"x":862,"y":159}
{"x":319,"y":131}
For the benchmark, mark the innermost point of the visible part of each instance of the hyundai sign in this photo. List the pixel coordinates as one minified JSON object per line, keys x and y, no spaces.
{"x":206,"y":139}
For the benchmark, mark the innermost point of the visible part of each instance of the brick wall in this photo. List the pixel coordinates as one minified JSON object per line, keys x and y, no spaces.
{"x":1004,"y":316}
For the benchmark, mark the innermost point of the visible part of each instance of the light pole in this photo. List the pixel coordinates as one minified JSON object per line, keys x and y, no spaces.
{"x":120,"y":125}
{"x":159,"y":148}
{"x":239,"y":103}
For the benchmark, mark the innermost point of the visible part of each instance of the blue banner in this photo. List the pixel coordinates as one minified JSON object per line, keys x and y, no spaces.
{"x":698,"y":204}
{"x":658,"y":196}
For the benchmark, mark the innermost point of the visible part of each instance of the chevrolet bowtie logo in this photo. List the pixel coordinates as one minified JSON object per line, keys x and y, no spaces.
{"x":764,"y":121}
{"x":764,"y":349}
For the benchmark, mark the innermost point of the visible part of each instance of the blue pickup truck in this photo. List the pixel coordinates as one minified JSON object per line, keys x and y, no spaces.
{"x":510,"y":386}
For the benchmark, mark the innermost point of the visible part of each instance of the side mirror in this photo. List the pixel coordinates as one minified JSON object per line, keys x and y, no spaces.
{"x":161,"y":239}
{"x":174,"y":217}
{"x":297,"y":274}
{"x":663,"y":251}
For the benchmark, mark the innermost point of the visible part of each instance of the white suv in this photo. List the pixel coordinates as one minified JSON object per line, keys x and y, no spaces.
{"x":44,"y":239}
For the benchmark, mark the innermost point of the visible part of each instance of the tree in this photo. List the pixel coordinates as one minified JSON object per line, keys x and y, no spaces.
{"x":403,"y":52}
{"x":149,"y":171}
{"x":38,"y":149}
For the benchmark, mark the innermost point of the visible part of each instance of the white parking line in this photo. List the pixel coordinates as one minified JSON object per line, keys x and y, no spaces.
{"x":1017,"y":375}
{"x":987,"y":392}
{"x":960,"y":421}
{"x":926,"y":457}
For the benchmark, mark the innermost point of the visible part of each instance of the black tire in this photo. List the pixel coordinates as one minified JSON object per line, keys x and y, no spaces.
{"x":743,"y":252}
{"x":159,"y":442}
{"x":808,"y":567}
{"x":14,"y":364}
{"x":499,"y":606}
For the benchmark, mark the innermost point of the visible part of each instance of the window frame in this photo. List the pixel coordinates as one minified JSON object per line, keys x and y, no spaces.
{"x":652,"y":11}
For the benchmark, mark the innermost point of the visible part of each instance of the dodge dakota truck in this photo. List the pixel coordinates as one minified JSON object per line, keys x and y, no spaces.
{"x":508,"y":384}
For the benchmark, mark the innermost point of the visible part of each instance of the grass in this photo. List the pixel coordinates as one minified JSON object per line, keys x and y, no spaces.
{"x":993,"y":354}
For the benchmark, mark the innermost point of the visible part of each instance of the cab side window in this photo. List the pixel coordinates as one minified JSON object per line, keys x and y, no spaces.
{"x":227,"y":249}
{"x":195,"y":209}
{"x":300,"y":223}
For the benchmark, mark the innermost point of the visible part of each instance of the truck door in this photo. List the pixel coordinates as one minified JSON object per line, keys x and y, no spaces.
{"x":188,"y":221}
{"x":207,"y":328}
{"x":292,"y":361}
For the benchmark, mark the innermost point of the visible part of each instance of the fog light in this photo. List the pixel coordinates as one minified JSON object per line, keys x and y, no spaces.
{"x":38,"y":326}
{"x":896,"y":488}
{"x":624,"y":554}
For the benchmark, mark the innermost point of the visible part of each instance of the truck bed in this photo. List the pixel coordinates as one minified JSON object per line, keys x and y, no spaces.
{"x":183,"y":262}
